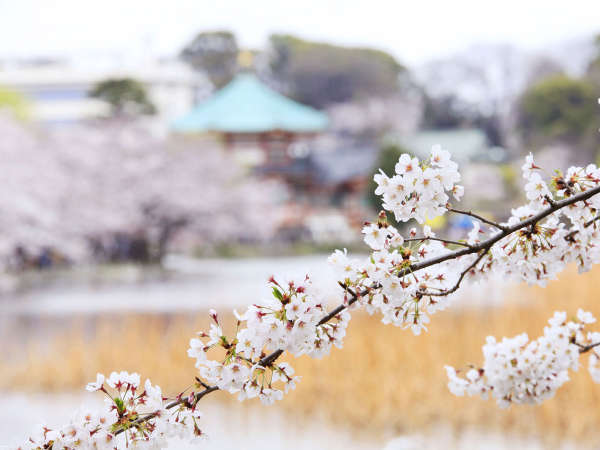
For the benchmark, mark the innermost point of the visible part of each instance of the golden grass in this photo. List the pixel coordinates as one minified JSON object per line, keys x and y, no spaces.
{"x":385,"y":380}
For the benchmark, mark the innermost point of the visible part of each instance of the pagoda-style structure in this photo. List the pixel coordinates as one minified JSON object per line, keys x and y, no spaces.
{"x":250,"y":116}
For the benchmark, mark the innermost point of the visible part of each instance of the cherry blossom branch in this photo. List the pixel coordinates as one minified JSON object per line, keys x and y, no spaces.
{"x":354,"y":298}
{"x":482,"y":248}
{"x":487,"y":244}
{"x":197,"y":397}
{"x":483,"y":245}
{"x":182,"y":400}
{"x":296,"y":320}
{"x":137,"y":422}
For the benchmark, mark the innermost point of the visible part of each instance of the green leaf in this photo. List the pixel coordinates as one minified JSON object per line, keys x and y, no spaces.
{"x":277,"y":294}
{"x":120,"y":405}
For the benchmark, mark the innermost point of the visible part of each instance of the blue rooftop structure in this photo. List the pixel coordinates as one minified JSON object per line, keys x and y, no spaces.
{"x":246,"y":105}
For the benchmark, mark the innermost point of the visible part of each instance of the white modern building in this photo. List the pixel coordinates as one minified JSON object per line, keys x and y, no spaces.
{"x":58,"y":91}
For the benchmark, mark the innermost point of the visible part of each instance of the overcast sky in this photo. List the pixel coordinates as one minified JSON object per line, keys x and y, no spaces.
{"x":414,"y":31}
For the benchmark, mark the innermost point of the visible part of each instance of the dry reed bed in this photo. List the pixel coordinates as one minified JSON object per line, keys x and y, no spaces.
{"x":385,"y":380}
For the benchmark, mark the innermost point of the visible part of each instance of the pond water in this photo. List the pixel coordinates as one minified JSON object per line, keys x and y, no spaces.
{"x":192,"y":285}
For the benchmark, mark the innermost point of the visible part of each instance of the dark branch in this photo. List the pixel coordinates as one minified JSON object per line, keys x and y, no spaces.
{"x":586,"y":348}
{"x":478,"y":217}
{"x":173,"y":404}
{"x":270,"y":359}
{"x":446,"y":241}
{"x":550,"y":200}
{"x":590,"y":222}
{"x":457,"y":285}
{"x":197,"y":397}
{"x":585,"y":225}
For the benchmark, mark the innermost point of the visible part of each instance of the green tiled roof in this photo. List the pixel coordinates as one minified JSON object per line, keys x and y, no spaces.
{"x":246,"y":105}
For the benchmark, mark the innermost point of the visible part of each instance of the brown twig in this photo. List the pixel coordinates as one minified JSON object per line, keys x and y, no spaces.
{"x":171,"y":405}
{"x":478,"y":217}
{"x":550,"y":200}
{"x":457,"y":285}
{"x":585,"y":225}
{"x":445,"y":241}
{"x":586,"y":348}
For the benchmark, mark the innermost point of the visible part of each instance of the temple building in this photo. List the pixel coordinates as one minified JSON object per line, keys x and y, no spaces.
{"x":277,"y":137}
{"x":262,"y":126}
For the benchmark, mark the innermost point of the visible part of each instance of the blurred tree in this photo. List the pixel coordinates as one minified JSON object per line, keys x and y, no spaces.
{"x":123,"y":192}
{"x":126,"y":96}
{"x":443,"y":112}
{"x":386,"y":161}
{"x":593,"y":70}
{"x":449,"y":111}
{"x":14,"y":103}
{"x":557,"y":108}
{"x":320,"y":74}
{"x":492,"y":127}
{"x":543,"y":67}
{"x":214,"y":52}
{"x":487,"y":80}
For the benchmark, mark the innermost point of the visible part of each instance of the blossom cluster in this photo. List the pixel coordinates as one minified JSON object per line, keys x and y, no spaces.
{"x":540,"y":251}
{"x":289,"y":321}
{"x":403,"y":300}
{"x":133,"y":416}
{"x":517,"y":370}
{"x":418,"y":189}
{"x":392,"y":282}
{"x":403,"y":296}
